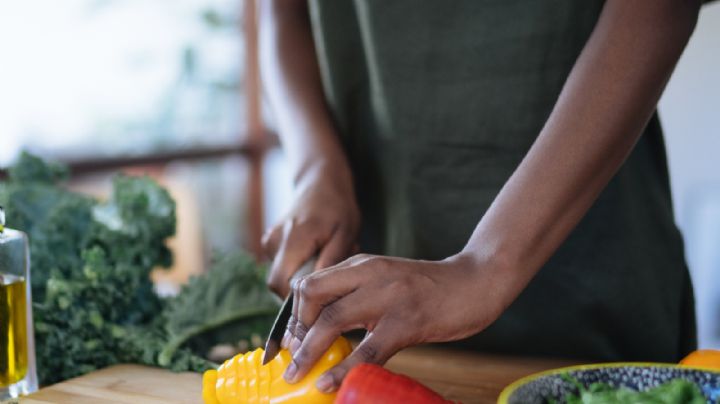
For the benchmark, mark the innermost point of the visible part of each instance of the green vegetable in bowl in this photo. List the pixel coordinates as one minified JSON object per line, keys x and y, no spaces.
{"x":676,"y":391}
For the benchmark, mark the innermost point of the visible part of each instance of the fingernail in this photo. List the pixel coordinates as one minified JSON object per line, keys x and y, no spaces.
{"x":325,"y":383}
{"x":285,"y":340}
{"x":294,"y":346}
{"x":290,"y":373}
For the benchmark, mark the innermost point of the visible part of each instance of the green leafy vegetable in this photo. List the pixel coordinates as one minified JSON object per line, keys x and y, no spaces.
{"x":222,"y":298}
{"x":676,"y":391}
{"x":56,"y":221}
{"x":94,"y":303}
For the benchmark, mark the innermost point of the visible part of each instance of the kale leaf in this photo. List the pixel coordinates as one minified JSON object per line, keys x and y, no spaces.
{"x":209,"y":304}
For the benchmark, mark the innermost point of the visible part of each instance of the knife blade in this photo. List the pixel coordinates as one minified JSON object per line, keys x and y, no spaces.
{"x":272,"y":346}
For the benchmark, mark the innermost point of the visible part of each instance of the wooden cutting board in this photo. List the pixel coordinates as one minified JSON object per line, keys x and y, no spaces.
{"x":458,"y":375}
{"x":123,"y":384}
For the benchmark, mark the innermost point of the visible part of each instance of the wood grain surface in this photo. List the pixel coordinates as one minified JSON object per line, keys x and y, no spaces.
{"x":458,"y":375}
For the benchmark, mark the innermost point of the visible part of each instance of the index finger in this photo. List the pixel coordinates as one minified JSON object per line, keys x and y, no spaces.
{"x":320,"y":289}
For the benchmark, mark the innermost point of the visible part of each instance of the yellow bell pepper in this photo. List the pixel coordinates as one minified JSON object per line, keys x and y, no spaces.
{"x":243,"y":379}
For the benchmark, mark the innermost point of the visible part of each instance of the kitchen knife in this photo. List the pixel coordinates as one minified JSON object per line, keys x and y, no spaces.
{"x":272,"y":346}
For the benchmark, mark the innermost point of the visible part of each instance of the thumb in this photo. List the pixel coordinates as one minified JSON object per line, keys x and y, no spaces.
{"x":374,"y":348}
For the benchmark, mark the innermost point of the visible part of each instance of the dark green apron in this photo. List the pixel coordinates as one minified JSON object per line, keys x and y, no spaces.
{"x":437,"y":102}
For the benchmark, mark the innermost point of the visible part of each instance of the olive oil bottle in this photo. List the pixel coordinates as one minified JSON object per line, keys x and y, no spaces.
{"x":13,"y":330}
{"x":18,"y":375}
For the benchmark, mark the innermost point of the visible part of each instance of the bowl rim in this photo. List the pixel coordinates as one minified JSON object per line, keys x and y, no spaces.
{"x":512,"y":387}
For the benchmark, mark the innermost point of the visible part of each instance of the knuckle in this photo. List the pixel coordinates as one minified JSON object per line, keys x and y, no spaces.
{"x":330,"y":314}
{"x":301,"y":330}
{"x":297,"y":287}
{"x":307,"y":287}
{"x":292,"y":323}
{"x":302,"y":356}
{"x":360,"y":258}
{"x":368,"y":352}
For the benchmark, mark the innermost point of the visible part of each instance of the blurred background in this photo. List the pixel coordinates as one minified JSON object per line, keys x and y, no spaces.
{"x":172,"y":89}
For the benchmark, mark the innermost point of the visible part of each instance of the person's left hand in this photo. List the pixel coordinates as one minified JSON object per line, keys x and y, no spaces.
{"x":400,"y":302}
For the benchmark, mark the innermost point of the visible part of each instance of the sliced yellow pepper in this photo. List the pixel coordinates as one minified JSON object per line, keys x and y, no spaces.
{"x":243,"y":379}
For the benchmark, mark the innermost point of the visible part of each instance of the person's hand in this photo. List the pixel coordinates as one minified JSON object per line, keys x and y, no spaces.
{"x":400,"y":302}
{"x":324,"y":220}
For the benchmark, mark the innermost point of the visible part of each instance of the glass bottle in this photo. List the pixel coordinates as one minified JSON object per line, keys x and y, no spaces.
{"x":18,"y":375}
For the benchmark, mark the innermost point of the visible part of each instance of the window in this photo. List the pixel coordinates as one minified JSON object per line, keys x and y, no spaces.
{"x":104,"y":77}
{"x":168,"y":88}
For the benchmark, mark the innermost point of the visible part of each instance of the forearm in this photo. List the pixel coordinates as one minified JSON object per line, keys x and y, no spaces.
{"x":606,"y":102}
{"x":292,"y":82}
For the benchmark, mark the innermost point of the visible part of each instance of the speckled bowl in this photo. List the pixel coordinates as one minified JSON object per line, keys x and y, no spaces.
{"x":538,"y":388}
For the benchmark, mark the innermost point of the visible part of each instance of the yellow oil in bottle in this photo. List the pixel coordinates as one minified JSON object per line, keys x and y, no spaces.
{"x":13,"y":330}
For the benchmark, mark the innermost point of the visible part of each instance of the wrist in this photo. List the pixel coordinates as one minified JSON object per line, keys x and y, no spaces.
{"x":500,"y":274}
{"x":486,"y":261}
{"x":327,"y":171}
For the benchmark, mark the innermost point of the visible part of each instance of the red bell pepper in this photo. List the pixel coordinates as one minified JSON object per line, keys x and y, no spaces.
{"x":372,"y":384}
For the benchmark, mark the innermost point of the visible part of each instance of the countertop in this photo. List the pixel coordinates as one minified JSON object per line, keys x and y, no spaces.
{"x":470,"y":377}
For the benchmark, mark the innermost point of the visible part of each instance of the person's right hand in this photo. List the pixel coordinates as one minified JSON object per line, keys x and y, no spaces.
{"x":323,"y":220}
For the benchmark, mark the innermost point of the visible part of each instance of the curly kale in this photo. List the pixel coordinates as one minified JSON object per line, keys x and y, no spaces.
{"x":225,"y":305}
{"x":56,"y":221}
{"x":94,"y":303}
{"x":139,"y":216}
